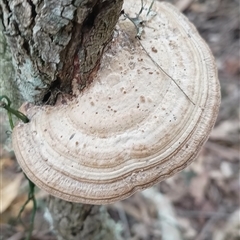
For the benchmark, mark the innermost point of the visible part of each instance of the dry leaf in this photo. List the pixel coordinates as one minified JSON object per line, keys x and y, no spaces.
{"x":9,"y":192}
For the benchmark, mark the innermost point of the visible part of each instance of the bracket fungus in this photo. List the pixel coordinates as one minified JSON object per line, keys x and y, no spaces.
{"x":145,"y":117}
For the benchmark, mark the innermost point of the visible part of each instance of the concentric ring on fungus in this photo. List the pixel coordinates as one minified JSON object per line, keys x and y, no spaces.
{"x":134,"y":126}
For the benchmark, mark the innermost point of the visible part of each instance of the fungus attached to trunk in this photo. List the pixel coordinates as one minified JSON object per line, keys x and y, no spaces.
{"x":145,"y":117}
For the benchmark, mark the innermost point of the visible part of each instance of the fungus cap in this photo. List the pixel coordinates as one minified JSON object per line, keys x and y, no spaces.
{"x":145,"y":117}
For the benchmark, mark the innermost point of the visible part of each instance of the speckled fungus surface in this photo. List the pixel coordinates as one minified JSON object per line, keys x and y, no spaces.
{"x":145,"y":117}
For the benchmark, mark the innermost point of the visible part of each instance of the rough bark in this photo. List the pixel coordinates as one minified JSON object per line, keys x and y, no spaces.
{"x":87,"y":221}
{"x":7,"y":72}
{"x":53,"y":42}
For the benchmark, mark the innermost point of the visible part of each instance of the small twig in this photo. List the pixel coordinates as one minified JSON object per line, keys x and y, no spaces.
{"x":31,"y":197}
{"x":139,"y":25}
{"x":166,"y":73}
{"x":11,"y":111}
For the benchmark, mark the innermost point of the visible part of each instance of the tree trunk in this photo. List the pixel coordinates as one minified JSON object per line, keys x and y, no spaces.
{"x":7,"y":72}
{"x":53,"y":42}
{"x":73,"y":221}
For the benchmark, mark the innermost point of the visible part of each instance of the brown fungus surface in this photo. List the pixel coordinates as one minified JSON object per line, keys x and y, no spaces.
{"x":145,"y":117}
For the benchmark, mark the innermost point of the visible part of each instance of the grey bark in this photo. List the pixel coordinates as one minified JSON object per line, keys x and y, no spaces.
{"x":7,"y":85}
{"x":52,"y":42}
{"x":78,"y":221}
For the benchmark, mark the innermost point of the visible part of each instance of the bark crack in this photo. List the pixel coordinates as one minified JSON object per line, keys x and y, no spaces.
{"x":57,"y":40}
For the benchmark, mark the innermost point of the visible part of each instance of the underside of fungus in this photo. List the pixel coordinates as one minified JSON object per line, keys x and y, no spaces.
{"x":145,"y":117}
